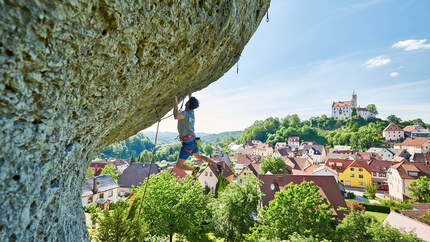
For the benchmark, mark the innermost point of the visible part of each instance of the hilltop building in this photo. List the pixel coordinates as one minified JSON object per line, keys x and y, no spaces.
{"x":344,"y":109}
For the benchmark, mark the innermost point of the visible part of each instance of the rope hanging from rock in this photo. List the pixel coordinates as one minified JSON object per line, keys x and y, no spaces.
{"x":150,"y":168}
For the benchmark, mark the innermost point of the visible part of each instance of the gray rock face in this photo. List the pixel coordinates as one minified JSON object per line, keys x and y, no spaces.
{"x":78,"y":75}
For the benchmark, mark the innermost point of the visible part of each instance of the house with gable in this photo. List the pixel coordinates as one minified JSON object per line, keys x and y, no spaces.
{"x":354,"y":173}
{"x":328,"y":188}
{"x":247,"y":171}
{"x":400,"y":176}
{"x":209,"y":176}
{"x":379,"y":169}
{"x":384,"y":153}
{"x":415,"y":131}
{"x":393,"y":133}
{"x":296,"y":165}
{"x":415,"y":145}
{"x":294,"y":142}
{"x":99,"y":190}
{"x":134,"y":175}
{"x":321,"y":170}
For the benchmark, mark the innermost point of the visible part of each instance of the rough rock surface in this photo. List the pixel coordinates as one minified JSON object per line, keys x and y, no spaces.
{"x":78,"y":75}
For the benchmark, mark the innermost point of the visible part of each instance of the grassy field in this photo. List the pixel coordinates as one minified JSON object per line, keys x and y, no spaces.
{"x":379,"y":216}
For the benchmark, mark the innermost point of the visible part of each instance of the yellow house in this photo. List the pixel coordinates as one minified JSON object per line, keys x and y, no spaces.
{"x":353,"y":173}
{"x":247,"y":171}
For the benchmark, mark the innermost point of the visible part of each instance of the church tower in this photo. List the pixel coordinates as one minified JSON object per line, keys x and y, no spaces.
{"x":354,"y":99}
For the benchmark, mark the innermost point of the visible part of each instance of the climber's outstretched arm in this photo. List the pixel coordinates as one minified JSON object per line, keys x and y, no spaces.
{"x":176,"y":114}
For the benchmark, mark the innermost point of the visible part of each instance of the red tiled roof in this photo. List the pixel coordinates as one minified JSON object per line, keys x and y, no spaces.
{"x":414,"y":141}
{"x":327,"y":184}
{"x":339,"y":164}
{"x":360,"y":163}
{"x":393,"y":127}
{"x":242,"y":159}
{"x":341,"y":104}
{"x":378,"y":165}
{"x":293,"y":139}
{"x":178,"y":172}
{"x":410,"y":128}
{"x":226,"y":171}
{"x":297,"y":162}
{"x":368,"y":156}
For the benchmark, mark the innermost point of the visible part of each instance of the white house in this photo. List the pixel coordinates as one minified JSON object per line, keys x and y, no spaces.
{"x":322,"y":170}
{"x":414,"y":145}
{"x":400,"y":176}
{"x":393,"y":132}
{"x":99,"y":189}
{"x":385,"y":153}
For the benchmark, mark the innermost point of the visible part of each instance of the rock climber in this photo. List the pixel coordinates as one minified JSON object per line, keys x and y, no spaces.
{"x":187,"y":135}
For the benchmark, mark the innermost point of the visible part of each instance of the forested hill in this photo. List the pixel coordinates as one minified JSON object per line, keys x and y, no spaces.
{"x":171,"y":137}
{"x":357,"y":132}
{"x":144,"y":141}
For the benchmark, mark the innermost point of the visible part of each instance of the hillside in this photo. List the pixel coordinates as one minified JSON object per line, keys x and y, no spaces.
{"x":357,"y":132}
{"x":144,"y":141}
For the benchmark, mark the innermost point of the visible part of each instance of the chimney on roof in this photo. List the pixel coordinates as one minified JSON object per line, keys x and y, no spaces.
{"x":95,"y":185}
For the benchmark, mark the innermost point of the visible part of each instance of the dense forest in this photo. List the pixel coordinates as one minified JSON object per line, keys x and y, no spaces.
{"x":357,"y":132}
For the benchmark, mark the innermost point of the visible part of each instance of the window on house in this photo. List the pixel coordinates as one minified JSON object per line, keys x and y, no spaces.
{"x":101,"y":196}
{"x":360,"y":169}
{"x":206,"y":173}
{"x":110,"y":194}
{"x":374,"y":174}
{"x":362,"y":184}
{"x":352,"y":175}
{"x":382,"y":174}
{"x":90,"y":199}
{"x":240,"y":181}
{"x":360,"y":176}
{"x":352,"y":168}
{"x":210,"y":173}
{"x":412,"y":173}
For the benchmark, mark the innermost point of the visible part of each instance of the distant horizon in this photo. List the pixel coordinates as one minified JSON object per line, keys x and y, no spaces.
{"x":313,"y":53}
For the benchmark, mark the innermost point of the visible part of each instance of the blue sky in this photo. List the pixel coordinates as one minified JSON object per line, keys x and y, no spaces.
{"x":312,"y":53}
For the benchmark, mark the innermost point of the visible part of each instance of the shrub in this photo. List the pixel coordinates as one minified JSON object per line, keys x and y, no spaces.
{"x":371,"y":191}
{"x":354,"y":205}
{"x":350,"y":195}
{"x":375,"y":207}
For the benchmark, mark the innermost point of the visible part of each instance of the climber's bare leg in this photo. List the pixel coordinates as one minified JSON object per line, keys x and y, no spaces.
{"x":205,"y":158}
{"x":181,"y":165}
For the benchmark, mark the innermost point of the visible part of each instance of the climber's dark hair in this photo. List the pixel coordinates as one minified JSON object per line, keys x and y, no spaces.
{"x":193,"y":103}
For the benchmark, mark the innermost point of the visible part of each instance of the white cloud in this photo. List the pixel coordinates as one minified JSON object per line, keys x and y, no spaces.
{"x":412,"y":44}
{"x":393,"y":74}
{"x":377,"y":61}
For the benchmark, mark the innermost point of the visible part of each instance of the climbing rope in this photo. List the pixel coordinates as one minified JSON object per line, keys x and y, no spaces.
{"x":150,"y":168}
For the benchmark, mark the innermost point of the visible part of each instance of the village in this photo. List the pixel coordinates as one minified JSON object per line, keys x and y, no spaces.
{"x":343,"y":175}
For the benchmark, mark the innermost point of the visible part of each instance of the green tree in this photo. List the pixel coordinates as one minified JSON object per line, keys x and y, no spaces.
{"x":145,"y":157}
{"x":221,"y":185}
{"x":115,"y":224}
{"x":232,"y":212}
{"x":132,"y":159}
{"x":110,"y":170}
{"x":294,"y":121}
{"x":371,"y":190}
{"x":420,"y":188}
{"x":208,"y":149}
{"x":372,"y":108}
{"x":358,"y":226}
{"x":296,"y":209}
{"x":90,"y":173}
{"x":394,"y":119}
{"x":273,"y":164}
{"x":172,"y":205}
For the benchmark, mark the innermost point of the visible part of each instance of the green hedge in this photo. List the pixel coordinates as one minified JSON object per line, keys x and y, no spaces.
{"x":375,"y":207}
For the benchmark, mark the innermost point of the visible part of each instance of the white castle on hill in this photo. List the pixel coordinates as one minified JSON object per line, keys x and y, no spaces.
{"x":343,"y":110}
